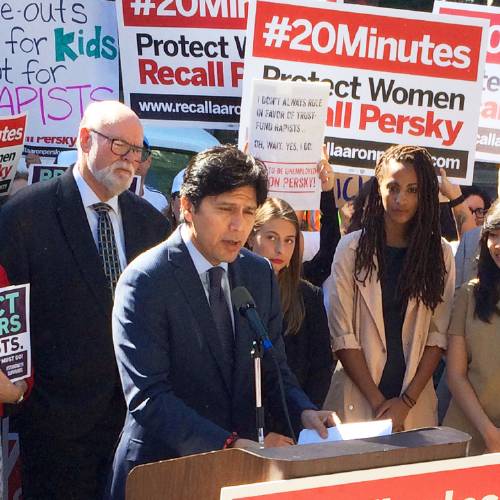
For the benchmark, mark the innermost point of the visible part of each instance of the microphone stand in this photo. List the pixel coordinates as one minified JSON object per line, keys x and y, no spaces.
{"x":257,"y":353}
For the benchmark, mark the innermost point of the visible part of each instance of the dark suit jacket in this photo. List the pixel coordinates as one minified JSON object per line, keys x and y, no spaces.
{"x":46,"y":241}
{"x":180,"y":395}
{"x":309,"y":352}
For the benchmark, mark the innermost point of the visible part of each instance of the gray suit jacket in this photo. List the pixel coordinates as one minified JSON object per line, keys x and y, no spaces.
{"x":465,"y":258}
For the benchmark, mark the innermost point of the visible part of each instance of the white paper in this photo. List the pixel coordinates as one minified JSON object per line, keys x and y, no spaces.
{"x":344,"y":432}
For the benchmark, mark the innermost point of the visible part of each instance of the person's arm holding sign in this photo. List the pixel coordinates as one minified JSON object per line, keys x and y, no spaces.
{"x":318,"y":268}
{"x":10,"y":392}
{"x":463,"y":217}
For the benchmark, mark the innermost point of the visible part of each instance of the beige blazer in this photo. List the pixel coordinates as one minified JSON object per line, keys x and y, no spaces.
{"x":356,"y":321}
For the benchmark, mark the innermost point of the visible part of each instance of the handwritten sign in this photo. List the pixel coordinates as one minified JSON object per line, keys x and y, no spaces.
{"x":57,"y":56}
{"x":285,"y":123}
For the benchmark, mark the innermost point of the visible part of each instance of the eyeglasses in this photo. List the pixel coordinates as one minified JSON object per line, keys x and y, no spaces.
{"x":478,"y":211}
{"x":123,"y":148}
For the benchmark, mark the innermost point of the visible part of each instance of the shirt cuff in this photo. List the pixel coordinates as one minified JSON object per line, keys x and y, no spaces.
{"x":348,"y":341}
{"x":437,"y":339}
{"x":228,"y":443}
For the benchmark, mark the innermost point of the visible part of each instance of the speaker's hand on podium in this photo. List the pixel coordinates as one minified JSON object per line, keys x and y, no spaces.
{"x":319,"y":421}
{"x":275,"y":440}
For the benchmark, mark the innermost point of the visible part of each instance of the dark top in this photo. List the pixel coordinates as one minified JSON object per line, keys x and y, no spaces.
{"x":319,"y":267}
{"x":394,"y":309}
{"x":308,"y":352}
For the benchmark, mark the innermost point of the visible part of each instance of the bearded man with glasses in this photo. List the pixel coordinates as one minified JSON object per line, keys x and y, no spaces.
{"x":70,"y":238}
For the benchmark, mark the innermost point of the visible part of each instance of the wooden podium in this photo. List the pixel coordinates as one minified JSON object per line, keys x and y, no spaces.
{"x":202,"y":476}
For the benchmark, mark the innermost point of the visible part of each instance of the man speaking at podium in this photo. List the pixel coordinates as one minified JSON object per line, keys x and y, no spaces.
{"x":183,"y":351}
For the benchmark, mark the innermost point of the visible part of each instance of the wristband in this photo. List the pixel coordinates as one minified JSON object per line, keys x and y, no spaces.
{"x":228,"y":443}
{"x":457,"y":201}
{"x":412,"y":401}
{"x":20,"y":399}
{"x":405,"y":401}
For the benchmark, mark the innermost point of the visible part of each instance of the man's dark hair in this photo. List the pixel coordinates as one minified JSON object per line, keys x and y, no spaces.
{"x":221,"y":169}
{"x":471,"y":190}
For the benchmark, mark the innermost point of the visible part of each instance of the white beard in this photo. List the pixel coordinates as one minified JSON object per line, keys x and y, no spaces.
{"x":113,"y":182}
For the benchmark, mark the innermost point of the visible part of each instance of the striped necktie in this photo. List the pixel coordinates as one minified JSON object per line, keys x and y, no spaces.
{"x":108,"y":251}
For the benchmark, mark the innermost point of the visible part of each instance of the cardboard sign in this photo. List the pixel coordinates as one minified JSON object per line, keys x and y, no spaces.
{"x":285,"y":131}
{"x":15,"y":349}
{"x":12,"y":130}
{"x":184,"y":60}
{"x":56,"y":57}
{"x":395,"y":77}
{"x":347,"y":187}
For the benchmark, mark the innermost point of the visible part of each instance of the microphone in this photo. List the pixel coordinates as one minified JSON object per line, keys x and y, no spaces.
{"x":245,"y":304}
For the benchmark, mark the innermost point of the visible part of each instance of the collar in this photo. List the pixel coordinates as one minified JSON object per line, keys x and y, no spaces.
{"x":201,"y":264}
{"x":88,"y":196}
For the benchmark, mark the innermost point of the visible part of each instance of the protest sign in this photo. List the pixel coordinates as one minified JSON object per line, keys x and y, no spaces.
{"x":40,"y":173}
{"x":56,"y":57}
{"x":184,"y":61}
{"x":285,"y":130}
{"x":15,"y":351}
{"x":12,"y":130}
{"x":347,"y":187}
{"x":395,"y":76}
{"x":488,"y":136}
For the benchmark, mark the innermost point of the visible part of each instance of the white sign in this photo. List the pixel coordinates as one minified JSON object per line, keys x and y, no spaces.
{"x":284,"y":125}
{"x":183,"y":61}
{"x":57,"y":56}
{"x":395,"y":77}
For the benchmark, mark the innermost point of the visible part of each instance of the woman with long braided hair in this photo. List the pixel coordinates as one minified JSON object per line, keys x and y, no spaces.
{"x":390,"y":295}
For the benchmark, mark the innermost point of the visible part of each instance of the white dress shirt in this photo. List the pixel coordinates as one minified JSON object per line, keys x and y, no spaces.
{"x":202,"y":266}
{"x":89,"y":198}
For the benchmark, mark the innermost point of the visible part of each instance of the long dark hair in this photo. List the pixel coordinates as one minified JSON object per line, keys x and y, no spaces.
{"x":487,"y":289}
{"x":358,"y":206}
{"x":423,"y":272}
{"x":292,"y":302}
